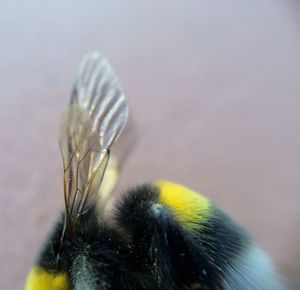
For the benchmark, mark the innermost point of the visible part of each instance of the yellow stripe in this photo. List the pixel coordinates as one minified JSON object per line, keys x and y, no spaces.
{"x":110,"y":178}
{"x":39,"y":279}
{"x":189,"y":207}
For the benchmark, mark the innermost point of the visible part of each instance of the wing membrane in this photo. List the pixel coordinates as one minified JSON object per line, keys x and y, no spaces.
{"x":96,"y":115}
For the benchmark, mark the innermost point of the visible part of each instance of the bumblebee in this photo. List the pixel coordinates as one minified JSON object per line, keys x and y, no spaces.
{"x":159,"y":235}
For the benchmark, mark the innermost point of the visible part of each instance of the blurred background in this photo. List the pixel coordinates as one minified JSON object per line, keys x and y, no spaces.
{"x":214,"y":89}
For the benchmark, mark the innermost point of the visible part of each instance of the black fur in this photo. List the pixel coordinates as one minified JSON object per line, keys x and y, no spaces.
{"x":183,"y":257}
{"x":147,"y":249}
{"x":53,"y":255}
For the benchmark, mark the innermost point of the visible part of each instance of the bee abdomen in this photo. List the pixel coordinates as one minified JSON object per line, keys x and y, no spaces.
{"x":188,"y":242}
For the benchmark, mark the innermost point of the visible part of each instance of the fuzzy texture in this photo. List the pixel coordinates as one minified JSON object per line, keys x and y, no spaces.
{"x":41,"y":279}
{"x":150,"y":248}
{"x":187,"y":206}
{"x":254,"y":270}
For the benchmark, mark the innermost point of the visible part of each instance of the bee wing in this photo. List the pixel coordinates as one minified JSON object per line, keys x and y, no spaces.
{"x":121,"y":151}
{"x":97,"y":113}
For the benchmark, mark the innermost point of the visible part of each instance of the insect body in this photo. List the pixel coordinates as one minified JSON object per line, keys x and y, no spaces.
{"x":160,"y":236}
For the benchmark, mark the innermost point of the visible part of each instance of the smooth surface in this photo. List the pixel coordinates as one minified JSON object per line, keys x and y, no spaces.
{"x":214,"y":89}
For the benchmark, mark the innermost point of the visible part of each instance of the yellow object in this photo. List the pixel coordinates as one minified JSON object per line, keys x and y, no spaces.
{"x":110,"y":179}
{"x":189,"y":207}
{"x":39,"y":279}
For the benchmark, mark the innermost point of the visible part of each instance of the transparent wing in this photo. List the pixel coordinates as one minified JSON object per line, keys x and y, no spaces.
{"x":97,"y":113}
{"x":118,"y":156}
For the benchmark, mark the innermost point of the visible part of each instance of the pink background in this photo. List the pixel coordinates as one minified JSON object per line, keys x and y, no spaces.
{"x":214,"y":89}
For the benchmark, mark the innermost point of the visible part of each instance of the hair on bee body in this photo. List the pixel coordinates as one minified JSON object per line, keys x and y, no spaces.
{"x":157,"y":235}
